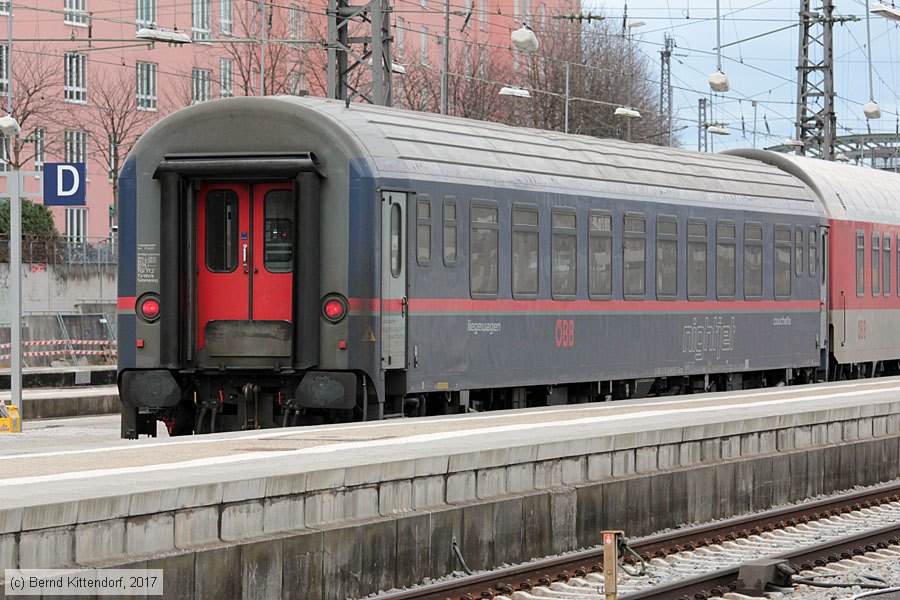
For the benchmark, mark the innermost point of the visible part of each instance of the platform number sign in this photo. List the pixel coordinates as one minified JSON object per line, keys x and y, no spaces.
{"x":64,"y":184}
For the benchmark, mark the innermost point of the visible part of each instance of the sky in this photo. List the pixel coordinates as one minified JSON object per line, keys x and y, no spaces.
{"x":762,"y":69}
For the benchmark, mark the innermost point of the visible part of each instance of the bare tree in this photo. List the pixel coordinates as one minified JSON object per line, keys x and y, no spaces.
{"x":37,"y":77}
{"x":114,"y":119}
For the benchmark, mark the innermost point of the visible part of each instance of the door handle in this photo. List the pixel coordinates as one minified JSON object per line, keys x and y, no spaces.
{"x":403,"y":304}
{"x":246,"y":270}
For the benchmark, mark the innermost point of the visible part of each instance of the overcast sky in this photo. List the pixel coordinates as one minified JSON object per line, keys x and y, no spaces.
{"x":763,"y":69}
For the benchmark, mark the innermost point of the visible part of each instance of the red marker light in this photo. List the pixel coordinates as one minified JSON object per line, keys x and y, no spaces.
{"x":150,"y":309}
{"x":334,"y":309}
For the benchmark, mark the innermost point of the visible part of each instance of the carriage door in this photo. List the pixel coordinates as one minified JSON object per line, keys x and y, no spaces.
{"x":393,"y":280}
{"x":244,"y":268}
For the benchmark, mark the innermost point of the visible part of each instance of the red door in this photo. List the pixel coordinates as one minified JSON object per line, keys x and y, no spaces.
{"x":245,"y":238}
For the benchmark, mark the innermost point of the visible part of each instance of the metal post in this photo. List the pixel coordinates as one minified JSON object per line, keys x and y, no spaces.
{"x":567,"y":96}
{"x":15,"y":268}
{"x":754,"y":123}
{"x":9,"y":77}
{"x":262,"y":51}
{"x":445,"y":58}
{"x":610,"y":564}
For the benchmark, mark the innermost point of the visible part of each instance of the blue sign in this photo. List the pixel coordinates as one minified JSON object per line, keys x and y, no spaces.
{"x":64,"y":184}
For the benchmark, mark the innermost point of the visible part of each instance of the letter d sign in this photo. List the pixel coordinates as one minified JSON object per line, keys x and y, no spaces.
{"x":64,"y":184}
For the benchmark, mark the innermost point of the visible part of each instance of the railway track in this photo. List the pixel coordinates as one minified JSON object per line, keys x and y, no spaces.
{"x":803,"y":528}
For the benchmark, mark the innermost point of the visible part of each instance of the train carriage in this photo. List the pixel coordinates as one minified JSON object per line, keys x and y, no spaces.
{"x":291,"y":260}
{"x":864,"y":266}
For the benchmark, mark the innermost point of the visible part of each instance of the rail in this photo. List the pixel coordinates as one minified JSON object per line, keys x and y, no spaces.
{"x":55,"y":250}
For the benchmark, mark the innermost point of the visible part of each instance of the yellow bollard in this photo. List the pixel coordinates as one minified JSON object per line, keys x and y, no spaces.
{"x":9,"y":419}
{"x":611,"y":563}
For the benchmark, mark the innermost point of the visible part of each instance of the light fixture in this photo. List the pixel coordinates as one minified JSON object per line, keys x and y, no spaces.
{"x":794,"y":143}
{"x":628,"y":113}
{"x":152,"y":34}
{"x":399,"y":69}
{"x":883,"y":10}
{"x":9,"y":126}
{"x":872,"y":110}
{"x":841,"y":157}
{"x":634,"y":24}
{"x":524,"y":39}
{"x":717,"y":129}
{"x":514,"y":91}
{"x":718,"y":82}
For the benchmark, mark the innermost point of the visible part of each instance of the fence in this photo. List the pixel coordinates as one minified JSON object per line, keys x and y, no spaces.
{"x":64,"y":339}
{"x":63,"y":251}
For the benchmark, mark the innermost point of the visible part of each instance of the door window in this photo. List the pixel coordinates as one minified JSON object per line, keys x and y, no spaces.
{"x":221,"y":231}
{"x":278,"y":240}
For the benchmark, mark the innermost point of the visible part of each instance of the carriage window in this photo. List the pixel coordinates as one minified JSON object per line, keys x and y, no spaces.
{"x":753,"y":268}
{"x":423,"y":230}
{"x":563,"y":255}
{"x":634,"y":252}
{"x":798,"y":252}
{"x":278,"y":244}
{"x":484,"y":251}
{"x":395,"y":241}
{"x":860,"y":263}
{"x":666,"y":257}
{"x":725,"y":259}
{"x":525,"y":250}
{"x":782,"y":261}
{"x":221,"y":231}
{"x":696,"y":259}
{"x":449,"y":231}
{"x":876,"y":264}
{"x":897,"y":245}
{"x":886,"y":263}
{"x":600,"y":255}
{"x":813,"y":251}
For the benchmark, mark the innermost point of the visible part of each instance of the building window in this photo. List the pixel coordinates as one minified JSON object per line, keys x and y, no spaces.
{"x":76,"y":146}
{"x":4,"y":7}
{"x":450,"y":229}
{"x":798,"y":252}
{"x":40,"y":148}
{"x":113,"y":157}
{"x":564,"y":254}
{"x":753,"y":256}
{"x":4,"y":68}
{"x":4,"y":152}
{"x":225,"y":22}
{"x":225,"y":78}
{"x":634,"y":254}
{"x":200,"y":21}
{"x":146,"y":85}
{"x":423,"y":230}
{"x":525,"y":252}
{"x":201,"y":85}
{"x":876,"y":264}
{"x":600,"y":255}
{"x":294,"y":22}
{"x":297,"y":83}
{"x":75,"y":88}
{"x":145,"y":13}
{"x":424,"y":50}
{"x":76,"y":224}
{"x":75,"y":12}
{"x":782,"y":261}
{"x":725,"y":260}
{"x":484,"y":255}
{"x":697,"y":252}
{"x":666,"y":258}
{"x":400,"y":35}
{"x":886,"y":263}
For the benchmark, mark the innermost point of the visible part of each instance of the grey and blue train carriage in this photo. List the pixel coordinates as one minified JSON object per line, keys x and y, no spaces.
{"x":290,"y":260}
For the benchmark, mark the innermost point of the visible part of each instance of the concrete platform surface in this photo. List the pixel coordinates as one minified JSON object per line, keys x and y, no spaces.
{"x":51,"y":403}
{"x":30,"y":476}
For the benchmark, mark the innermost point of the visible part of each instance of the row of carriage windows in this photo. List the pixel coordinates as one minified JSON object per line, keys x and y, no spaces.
{"x":788,"y":252}
{"x":881,"y":264}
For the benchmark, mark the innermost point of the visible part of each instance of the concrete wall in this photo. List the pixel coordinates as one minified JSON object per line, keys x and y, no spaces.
{"x":51,"y":289}
{"x":348,"y":532}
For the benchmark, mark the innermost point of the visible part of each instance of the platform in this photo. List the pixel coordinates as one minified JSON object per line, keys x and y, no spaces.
{"x":339,"y":503}
{"x":68,"y":376}
{"x":49,"y":403}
